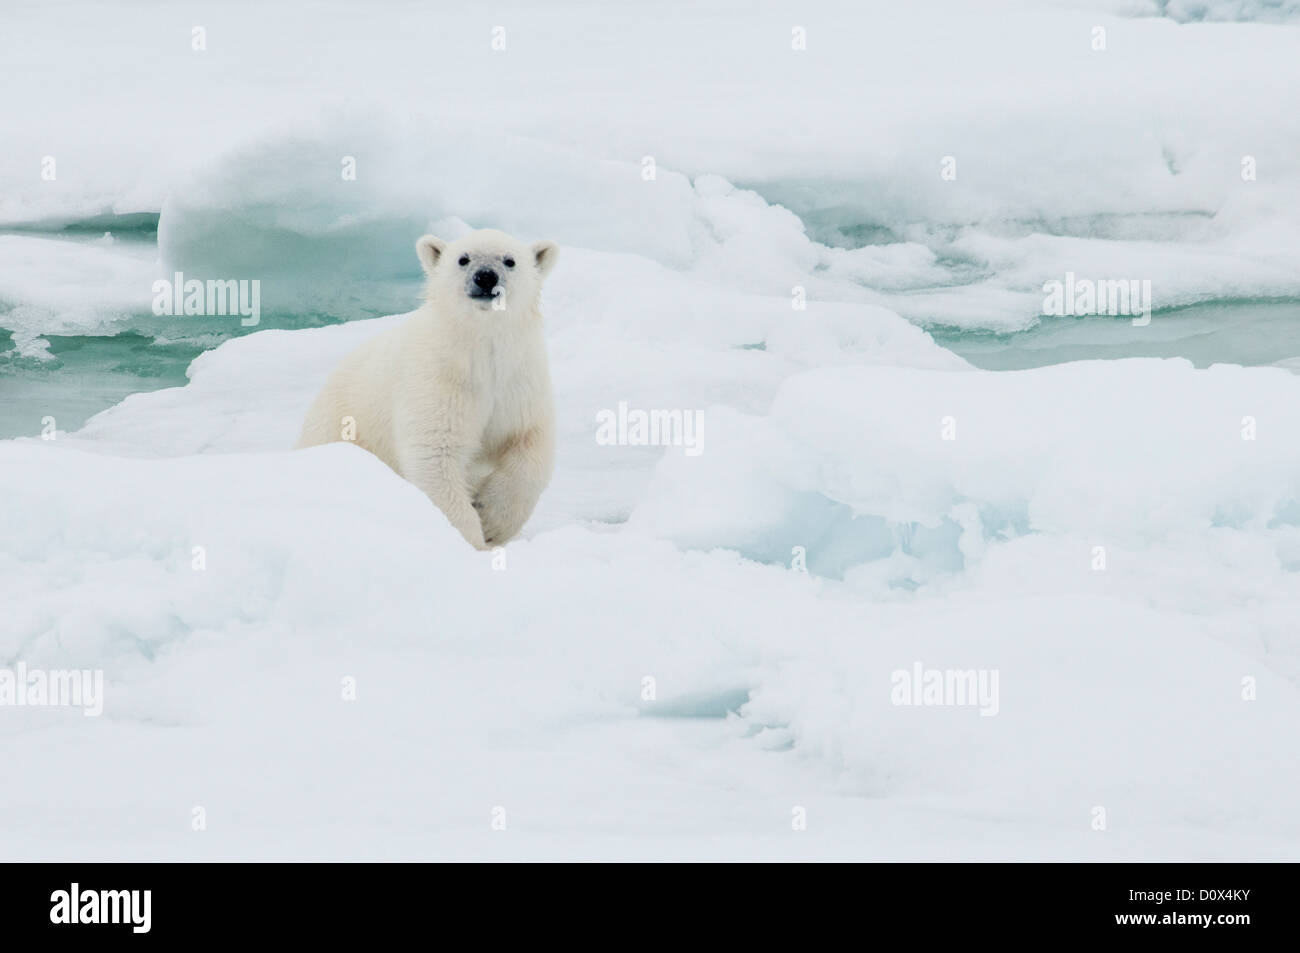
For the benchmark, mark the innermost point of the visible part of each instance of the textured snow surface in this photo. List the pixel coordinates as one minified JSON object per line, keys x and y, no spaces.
{"x":523,"y":687}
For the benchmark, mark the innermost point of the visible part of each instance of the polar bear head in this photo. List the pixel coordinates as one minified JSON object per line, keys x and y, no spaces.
{"x":485,"y":270}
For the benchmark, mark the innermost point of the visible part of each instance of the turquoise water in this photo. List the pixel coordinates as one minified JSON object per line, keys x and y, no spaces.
{"x":85,"y":375}
{"x":1248,"y":332}
{"x":79,"y":375}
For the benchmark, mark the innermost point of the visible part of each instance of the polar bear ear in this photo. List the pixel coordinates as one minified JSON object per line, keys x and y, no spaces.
{"x":544,"y":254}
{"x":429,"y":250}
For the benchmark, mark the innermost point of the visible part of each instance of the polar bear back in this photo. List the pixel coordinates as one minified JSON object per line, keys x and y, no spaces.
{"x":358,"y":399}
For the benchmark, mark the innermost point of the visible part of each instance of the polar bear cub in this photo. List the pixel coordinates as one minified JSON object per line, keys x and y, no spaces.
{"x":457,"y":399}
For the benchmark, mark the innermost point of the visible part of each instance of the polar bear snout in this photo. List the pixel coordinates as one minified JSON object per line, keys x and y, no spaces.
{"x":483,"y":283}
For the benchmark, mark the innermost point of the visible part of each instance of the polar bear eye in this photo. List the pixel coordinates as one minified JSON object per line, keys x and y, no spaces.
{"x":509,"y":262}
{"x":464,"y":260}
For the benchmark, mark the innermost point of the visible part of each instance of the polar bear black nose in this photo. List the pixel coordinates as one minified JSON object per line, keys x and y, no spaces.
{"x":485,"y":279}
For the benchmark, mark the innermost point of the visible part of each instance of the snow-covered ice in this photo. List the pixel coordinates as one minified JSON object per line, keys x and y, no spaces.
{"x":650,"y":672}
{"x":523,"y":687}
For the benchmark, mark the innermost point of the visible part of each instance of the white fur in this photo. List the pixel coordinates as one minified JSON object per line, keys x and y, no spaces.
{"x":457,"y":399}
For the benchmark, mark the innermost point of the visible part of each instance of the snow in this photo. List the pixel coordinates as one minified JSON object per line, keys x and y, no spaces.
{"x":1189,"y":11}
{"x":521,"y":687}
{"x":1118,"y":540}
{"x":51,"y":286}
{"x":224,"y":684}
{"x":241,"y":146}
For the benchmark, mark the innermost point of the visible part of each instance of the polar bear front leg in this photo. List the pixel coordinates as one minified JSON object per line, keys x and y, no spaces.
{"x":439,"y":471}
{"x":507,"y":497}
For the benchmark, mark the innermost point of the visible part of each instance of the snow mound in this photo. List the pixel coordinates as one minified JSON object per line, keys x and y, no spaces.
{"x":322,"y":566}
{"x":860,"y":464}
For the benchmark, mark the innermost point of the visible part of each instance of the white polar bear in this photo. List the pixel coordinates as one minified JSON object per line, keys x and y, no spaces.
{"x":457,"y":398}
